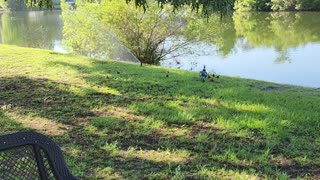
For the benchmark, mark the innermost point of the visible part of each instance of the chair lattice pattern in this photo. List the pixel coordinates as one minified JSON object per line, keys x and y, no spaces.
{"x":48,"y":168}
{"x":18,"y":163}
{"x":31,"y":156}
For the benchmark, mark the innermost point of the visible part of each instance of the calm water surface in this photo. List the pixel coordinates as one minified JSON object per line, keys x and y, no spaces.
{"x":37,"y":29}
{"x":276,"y":47}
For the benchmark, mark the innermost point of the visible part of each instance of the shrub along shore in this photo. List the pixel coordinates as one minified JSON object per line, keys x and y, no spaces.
{"x":119,"y":120}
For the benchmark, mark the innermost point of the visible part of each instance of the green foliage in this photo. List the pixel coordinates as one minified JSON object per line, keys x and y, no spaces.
{"x":308,"y":5}
{"x":244,"y":5}
{"x":282,"y":5}
{"x":40,"y":3}
{"x":206,"y":7}
{"x":150,"y":35}
{"x":3,"y":4}
{"x":252,"y":5}
{"x":263,"y":5}
{"x":276,"y":5}
{"x":83,"y":31}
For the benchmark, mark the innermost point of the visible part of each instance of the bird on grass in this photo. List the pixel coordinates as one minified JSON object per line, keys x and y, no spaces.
{"x":167,"y":75}
{"x":215,"y":75}
{"x":203,"y":74}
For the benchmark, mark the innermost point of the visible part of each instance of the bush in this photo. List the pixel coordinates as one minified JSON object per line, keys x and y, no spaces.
{"x":150,"y":35}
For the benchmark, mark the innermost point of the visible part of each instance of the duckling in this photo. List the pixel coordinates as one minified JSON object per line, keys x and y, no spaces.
{"x":167,"y":75}
{"x":6,"y":107}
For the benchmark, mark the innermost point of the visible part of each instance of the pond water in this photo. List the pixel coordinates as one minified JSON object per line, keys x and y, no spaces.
{"x":275,"y":47}
{"x":36,"y":29}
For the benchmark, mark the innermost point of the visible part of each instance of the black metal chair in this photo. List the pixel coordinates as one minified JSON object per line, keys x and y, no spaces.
{"x":30,"y":155}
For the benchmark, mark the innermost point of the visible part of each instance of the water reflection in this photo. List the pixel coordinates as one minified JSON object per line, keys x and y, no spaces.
{"x":281,"y":31}
{"x":37,"y":29}
{"x":247,"y":31}
{"x":278,"y":47}
{"x":216,"y":31}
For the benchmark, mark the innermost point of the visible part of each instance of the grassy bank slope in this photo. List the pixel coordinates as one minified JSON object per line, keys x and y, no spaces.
{"x":121,"y":120}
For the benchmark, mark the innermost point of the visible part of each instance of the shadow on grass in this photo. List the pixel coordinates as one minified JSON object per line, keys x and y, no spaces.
{"x":52,"y":100}
{"x":178,"y":116}
{"x":276,"y":144}
{"x":9,"y":126}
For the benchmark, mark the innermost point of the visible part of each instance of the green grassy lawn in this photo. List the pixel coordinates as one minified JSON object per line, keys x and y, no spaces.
{"x":122,"y":121}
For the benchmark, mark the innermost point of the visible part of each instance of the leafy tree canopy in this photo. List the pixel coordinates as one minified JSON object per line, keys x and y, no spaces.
{"x":205,"y":6}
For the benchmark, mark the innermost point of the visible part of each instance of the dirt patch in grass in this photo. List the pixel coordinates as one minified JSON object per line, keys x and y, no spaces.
{"x":42,"y":125}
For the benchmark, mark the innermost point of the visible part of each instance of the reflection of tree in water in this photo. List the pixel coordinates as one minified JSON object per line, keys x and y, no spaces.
{"x":42,"y":43}
{"x":215,"y":30}
{"x":31,"y":29}
{"x":282,"y":31}
{"x":283,"y":57}
{"x":246,"y":30}
{"x":16,"y":5}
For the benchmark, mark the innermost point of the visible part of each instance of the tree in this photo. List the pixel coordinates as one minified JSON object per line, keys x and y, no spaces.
{"x":151,"y":35}
{"x":207,"y":7}
{"x":252,"y":5}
